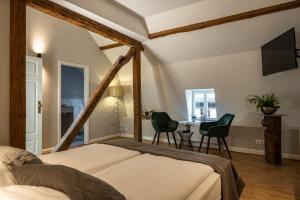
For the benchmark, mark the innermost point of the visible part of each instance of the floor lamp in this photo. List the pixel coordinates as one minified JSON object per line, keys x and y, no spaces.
{"x":116,"y":91}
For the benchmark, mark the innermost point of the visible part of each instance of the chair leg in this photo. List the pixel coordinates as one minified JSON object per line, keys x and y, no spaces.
{"x":208,"y":145}
{"x":154,"y":138}
{"x":191,"y":144}
{"x":158,"y":136}
{"x":219,"y":144}
{"x":174,"y":139}
{"x":168,"y":138}
{"x":201,"y":143}
{"x":226,"y":147}
{"x":180,"y":144}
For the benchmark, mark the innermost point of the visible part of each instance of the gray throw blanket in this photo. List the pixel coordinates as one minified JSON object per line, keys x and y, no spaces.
{"x":232,"y":183}
{"x":76,"y":184}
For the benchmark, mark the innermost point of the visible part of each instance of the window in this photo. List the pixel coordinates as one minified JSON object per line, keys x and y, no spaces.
{"x":201,"y":102}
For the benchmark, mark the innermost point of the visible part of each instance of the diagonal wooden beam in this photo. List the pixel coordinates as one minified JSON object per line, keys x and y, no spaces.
{"x":111,"y":46}
{"x":77,"y":19}
{"x":228,"y":19}
{"x":75,"y":128}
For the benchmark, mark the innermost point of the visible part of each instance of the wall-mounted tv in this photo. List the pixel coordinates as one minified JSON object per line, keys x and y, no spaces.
{"x":280,"y":54}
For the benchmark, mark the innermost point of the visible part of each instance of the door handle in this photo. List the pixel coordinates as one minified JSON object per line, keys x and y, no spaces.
{"x":39,"y":107}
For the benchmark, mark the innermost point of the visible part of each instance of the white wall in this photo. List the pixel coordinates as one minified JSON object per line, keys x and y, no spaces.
{"x":68,"y":43}
{"x":234,"y":77}
{"x":4,"y":75}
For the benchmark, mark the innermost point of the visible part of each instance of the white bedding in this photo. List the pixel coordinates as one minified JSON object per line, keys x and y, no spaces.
{"x":22,"y":192}
{"x":137,"y":176}
{"x":151,"y":177}
{"x":90,"y":158}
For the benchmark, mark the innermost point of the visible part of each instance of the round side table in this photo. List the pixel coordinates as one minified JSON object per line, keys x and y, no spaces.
{"x":185,"y":140}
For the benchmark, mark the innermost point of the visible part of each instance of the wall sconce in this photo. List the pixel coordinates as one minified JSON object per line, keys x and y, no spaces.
{"x":38,"y":47}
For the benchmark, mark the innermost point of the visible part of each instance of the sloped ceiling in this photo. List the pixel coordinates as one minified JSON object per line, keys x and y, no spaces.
{"x":240,"y":36}
{"x":147,"y":8}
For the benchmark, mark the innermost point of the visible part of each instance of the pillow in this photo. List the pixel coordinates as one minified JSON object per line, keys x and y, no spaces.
{"x":77,"y":185}
{"x":17,"y":157}
{"x":6,"y":177}
{"x":24,"y":192}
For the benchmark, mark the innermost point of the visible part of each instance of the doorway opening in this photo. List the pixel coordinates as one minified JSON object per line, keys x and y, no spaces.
{"x":73,"y":93}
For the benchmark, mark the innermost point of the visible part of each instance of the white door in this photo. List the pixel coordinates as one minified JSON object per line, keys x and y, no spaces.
{"x":34,"y":105}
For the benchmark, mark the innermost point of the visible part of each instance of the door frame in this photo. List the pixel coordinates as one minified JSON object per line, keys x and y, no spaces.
{"x":39,"y":63}
{"x":86,"y":95}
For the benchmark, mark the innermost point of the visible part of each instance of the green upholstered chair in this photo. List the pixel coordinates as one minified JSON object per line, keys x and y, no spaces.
{"x":161,"y":122}
{"x":218,"y":129}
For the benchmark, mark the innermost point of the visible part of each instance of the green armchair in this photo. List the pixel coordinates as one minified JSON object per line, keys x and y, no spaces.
{"x":161,"y":122}
{"x":218,"y":129}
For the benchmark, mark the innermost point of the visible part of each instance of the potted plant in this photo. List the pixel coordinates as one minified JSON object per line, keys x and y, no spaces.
{"x":268,"y":103}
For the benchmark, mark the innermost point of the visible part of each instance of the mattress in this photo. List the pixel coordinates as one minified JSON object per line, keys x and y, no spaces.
{"x":151,"y":177}
{"x":90,"y":158}
{"x":142,"y":176}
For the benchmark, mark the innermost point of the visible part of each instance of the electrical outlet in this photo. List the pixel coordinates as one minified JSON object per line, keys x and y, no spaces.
{"x":259,"y":142}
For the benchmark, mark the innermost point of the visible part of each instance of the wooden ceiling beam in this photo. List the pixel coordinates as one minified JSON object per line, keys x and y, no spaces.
{"x":77,"y":19}
{"x":111,"y":46}
{"x":77,"y":125}
{"x":228,"y":19}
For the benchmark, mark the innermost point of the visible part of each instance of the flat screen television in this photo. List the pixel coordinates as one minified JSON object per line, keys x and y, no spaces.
{"x":280,"y":54}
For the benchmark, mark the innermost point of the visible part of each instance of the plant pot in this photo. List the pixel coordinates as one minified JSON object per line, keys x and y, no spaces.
{"x":268,"y":110}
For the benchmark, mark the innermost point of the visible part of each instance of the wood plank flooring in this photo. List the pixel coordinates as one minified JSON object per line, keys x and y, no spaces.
{"x":264,"y":181}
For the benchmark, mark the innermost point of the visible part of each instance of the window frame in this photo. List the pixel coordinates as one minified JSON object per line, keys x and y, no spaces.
{"x":205,"y":92}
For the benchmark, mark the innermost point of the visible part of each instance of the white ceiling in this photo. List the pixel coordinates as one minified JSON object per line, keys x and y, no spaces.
{"x":147,"y":8}
{"x":235,"y":37}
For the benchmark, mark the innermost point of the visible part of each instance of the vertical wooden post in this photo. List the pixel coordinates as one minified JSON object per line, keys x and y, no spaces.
{"x":137,"y":99}
{"x":272,"y":124}
{"x":17,"y":73}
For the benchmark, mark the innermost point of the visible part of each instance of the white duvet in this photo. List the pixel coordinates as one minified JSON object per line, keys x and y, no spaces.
{"x":138,"y":177}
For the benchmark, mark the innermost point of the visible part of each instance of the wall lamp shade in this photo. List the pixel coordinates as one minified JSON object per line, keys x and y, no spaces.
{"x":116,"y":91}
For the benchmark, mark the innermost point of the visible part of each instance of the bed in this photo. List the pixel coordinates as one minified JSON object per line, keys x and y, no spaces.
{"x":142,"y":176}
{"x":140,"y":171}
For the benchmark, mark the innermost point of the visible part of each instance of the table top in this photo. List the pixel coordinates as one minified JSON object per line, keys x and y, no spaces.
{"x":189,"y":122}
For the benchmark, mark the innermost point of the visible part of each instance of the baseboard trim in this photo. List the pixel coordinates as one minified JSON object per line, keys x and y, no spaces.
{"x":231,"y":148}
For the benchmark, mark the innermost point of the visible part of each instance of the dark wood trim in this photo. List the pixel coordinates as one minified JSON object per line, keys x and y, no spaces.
{"x":77,"y":19}
{"x":18,"y":73}
{"x":77,"y":125}
{"x":111,"y":46}
{"x":228,"y":19}
{"x":137,"y":98}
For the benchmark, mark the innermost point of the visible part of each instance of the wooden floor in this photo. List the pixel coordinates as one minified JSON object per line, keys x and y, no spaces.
{"x":265,"y":181}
